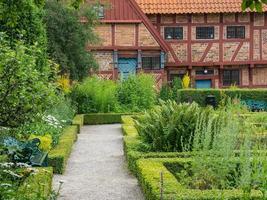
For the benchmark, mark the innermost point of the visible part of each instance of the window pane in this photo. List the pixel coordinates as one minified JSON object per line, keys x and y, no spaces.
{"x":240,"y":32}
{"x":235,"y":32}
{"x":146,"y":62}
{"x":168,"y":32}
{"x":231,"y":77}
{"x":151,"y":62}
{"x":230,"y":32}
{"x":205,"y":32}
{"x":178,"y":33}
{"x":173,"y":33}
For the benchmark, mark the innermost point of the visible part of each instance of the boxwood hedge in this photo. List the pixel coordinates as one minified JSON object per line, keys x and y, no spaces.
{"x":199,"y":95}
{"x":149,"y":175}
{"x":58,"y":157}
{"x":78,"y":121}
{"x":102,"y":118}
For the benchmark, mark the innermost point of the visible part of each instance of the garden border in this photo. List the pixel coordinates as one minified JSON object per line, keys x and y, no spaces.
{"x":58,"y":157}
{"x":149,"y":176}
{"x":38,"y":185}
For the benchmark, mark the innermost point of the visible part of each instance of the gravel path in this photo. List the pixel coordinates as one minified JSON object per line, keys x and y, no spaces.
{"x":96,"y":169}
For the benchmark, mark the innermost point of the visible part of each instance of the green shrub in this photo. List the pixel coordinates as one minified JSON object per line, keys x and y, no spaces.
{"x":168,"y":127}
{"x":51,"y":122}
{"x":58,"y":156}
{"x":102,"y":118}
{"x":137,"y":93}
{"x":24,"y":92}
{"x":199,"y":95}
{"x":95,"y":95}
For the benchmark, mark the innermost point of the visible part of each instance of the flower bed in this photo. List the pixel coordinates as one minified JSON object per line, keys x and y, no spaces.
{"x":21,"y":181}
{"x":132,"y":141}
{"x":149,"y":175}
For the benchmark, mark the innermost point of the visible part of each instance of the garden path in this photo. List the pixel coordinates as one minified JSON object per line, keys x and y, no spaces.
{"x":97,"y":169}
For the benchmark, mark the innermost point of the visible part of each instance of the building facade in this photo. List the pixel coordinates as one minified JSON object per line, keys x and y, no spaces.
{"x":212,"y":41}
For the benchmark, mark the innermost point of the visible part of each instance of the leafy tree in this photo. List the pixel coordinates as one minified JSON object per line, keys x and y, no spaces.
{"x":23,"y":20}
{"x":67,"y":38}
{"x":253,"y":4}
{"x":24,"y":92}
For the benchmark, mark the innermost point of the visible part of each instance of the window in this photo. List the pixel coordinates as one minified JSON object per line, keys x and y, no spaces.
{"x":151,"y":62}
{"x":99,"y":9}
{"x":173,"y":33}
{"x":231,"y":77}
{"x":235,"y":32}
{"x":205,"y":32}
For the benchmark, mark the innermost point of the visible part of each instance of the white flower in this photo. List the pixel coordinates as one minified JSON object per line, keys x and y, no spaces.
{"x":12,"y":173}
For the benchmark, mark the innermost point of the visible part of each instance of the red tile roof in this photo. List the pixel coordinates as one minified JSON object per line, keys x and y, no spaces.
{"x":190,"y":6}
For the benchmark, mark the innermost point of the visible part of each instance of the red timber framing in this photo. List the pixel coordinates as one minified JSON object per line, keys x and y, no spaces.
{"x":122,"y":12}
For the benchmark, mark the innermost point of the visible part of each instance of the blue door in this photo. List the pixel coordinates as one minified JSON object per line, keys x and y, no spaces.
{"x":203,"y":84}
{"x":127,"y":67}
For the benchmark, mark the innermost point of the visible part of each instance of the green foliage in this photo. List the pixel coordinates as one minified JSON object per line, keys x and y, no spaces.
{"x":95,"y":95}
{"x":253,"y":5}
{"x":169,"y":127}
{"x":170,"y":92}
{"x":102,"y":118}
{"x":51,"y":122}
{"x":24,"y":183}
{"x":24,"y":91}
{"x":58,"y":156}
{"x":68,"y":37}
{"x":137,"y":93}
{"x":23,"y":20}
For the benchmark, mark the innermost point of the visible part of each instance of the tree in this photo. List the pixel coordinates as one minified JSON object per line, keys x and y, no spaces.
{"x":253,"y":4}
{"x":23,"y":20}
{"x":68,"y":37}
{"x":24,"y":92}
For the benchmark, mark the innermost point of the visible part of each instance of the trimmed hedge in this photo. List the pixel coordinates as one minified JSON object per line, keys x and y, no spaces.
{"x":132,"y":141}
{"x":148,"y":173}
{"x":103,"y":118}
{"x":78,"y":121}
{"x":58,"y":157}
{"x":37,"y":185}
{"x":199,"y":95}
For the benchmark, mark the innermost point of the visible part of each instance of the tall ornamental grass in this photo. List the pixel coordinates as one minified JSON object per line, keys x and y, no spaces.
{"x":137,"y":93}
{"x":96,"y":95}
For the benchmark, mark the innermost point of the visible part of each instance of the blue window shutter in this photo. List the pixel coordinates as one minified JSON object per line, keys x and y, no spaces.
{"x":115,"y":59}
{"x":162,"y":60}
{"x":139,"y":64}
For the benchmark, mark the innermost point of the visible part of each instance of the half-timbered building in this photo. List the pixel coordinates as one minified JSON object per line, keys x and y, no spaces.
{"x":213,"y":41}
